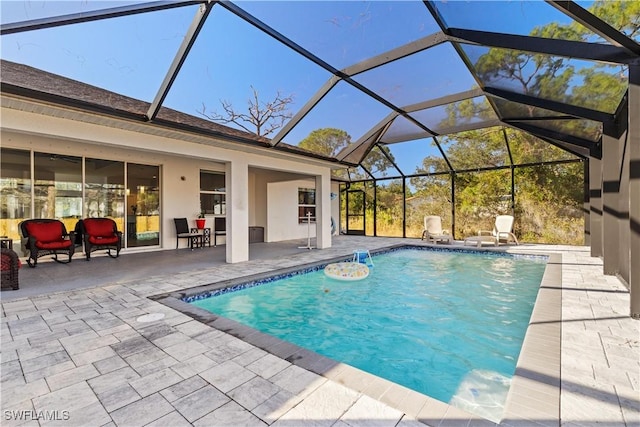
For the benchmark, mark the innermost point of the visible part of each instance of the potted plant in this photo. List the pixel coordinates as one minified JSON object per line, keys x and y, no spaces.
{"x":200,"y":221}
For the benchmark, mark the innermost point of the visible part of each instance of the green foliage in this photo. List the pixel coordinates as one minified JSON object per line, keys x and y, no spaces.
{"x":331,"y":141}
{"x":327,"y":141}
{"x":621,"y":15}
{"x":547,"y":200}
{"x":599,"y":87}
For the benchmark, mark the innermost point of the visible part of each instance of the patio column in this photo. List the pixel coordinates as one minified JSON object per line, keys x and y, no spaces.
{"x":237,"y":182}
{"x":634,"y":189}
{"x":323,"y":211}
{"x":594,"y":214}
{"x":611,"y":167}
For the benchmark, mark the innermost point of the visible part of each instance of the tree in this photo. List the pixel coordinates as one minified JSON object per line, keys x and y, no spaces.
{"x":548,"y":198}
{"x":330,"y":141}
{"x":262,"y":119}
{"x":326,"y":141}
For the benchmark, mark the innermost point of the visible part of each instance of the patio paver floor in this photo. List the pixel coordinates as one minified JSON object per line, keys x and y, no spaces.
{"x":81,"y":357}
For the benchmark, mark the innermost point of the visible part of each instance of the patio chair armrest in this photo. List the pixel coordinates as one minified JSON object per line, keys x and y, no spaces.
{"x":31,"y":243}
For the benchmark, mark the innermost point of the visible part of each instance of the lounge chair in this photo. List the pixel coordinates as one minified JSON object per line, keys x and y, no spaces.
{"x":502,"y":233}
{"x":433,"y":231}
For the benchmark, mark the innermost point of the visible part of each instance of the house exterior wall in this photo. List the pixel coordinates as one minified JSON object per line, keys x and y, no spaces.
{"x":176,"y":158}
{"x":282,"y":208}
{"x":282,"y":211}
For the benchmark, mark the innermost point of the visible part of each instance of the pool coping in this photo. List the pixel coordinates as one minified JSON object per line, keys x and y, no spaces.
{"x":534,"y":395}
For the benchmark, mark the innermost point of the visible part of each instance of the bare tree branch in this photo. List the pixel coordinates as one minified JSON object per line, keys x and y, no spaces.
{"x":260,"y":119}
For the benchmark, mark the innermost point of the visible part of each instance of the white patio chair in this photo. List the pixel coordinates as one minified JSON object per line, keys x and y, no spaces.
{"x":433,"y":231}
{"x":502,"y":230}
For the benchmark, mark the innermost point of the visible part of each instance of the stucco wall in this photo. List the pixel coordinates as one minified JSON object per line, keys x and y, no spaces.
{"x":176,"y":158}
{"x":282,"y":210}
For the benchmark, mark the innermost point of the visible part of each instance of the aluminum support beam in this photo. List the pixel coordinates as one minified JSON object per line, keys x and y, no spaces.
{"x":371,"y":136}
{"x":188,"y":41}
{"x":476,"y":170}
{"x":397,"y":53}
{"x":565,"y":48}
{"x":469,"y":126}
{"x":95,"y":15}
{"x":634,"y":189}
{"x":444,"y":100}
{"x":560,"y":107}
{"x":384,"y":151}
{"x":595,"y":206}
{"x":302,"y":112}
{"x":595,"y":24}
{"x":546,"y":133}
{"x":611,"y":200}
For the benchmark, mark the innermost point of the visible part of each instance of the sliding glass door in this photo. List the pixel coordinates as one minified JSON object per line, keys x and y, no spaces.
{"x":58,"y":188}
{"x":70,"y":188}
{"x":143,"y":205}
{"x":104,"y":190}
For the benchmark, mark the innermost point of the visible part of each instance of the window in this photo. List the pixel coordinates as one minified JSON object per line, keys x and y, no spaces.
{"x":69,"y":188}
{"x":213,"y":193}
{"x":15,"y":190}
{"x":104,"y":191}
{"x":58,"y":188}
{"x":306,"y":205}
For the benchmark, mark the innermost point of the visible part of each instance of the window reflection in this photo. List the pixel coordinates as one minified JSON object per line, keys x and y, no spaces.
{"x":58,"y":188}
{"x":15,"y":190}
{"x":213,"y":193}
{"x":550,"y":77}
{"x":104,"y":190}
{"x":306,"y":205}
{"x":143,"y":205}
{"x":58,"y":192}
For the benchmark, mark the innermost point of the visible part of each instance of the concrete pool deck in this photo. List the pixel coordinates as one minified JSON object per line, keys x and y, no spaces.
{"x":82,"y":355}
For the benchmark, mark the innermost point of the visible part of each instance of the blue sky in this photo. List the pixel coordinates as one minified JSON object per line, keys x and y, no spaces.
{"x":130,"y":55}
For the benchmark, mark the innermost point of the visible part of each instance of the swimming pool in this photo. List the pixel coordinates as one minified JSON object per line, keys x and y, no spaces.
{"x":448,"y":324}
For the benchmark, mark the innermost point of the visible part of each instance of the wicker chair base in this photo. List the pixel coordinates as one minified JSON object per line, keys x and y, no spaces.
{"x":10,"y":269}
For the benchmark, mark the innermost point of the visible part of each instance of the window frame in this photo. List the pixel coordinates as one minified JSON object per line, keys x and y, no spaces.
{"x":217,"y":194}
{"x":306,"y":207}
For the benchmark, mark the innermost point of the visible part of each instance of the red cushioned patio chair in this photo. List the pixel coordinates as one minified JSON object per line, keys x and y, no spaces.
{"x":101,"y":233}
{"x":47,"y":237}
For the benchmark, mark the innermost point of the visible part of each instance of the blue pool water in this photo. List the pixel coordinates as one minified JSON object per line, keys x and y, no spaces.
{"x":448,"y":324}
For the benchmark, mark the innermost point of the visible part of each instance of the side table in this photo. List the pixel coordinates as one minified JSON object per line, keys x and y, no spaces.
{"x":6,"y":242}
{"x":206,"y":235}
